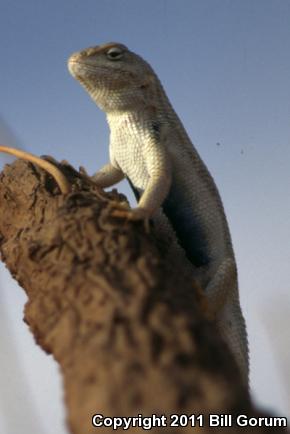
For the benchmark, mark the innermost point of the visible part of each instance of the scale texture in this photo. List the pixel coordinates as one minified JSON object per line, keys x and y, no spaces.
{"x":150,"y":147}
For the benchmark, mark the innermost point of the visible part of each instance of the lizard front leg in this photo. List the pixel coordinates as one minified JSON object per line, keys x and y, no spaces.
{"x":107,"y":176}
{"x":157,"y":162}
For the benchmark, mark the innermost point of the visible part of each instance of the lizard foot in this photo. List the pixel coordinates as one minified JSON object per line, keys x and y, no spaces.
{"x":134,"y":214}
{"x":83,"y":172}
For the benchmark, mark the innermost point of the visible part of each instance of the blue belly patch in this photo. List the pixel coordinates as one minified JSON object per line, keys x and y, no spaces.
{"x":187,"y":226}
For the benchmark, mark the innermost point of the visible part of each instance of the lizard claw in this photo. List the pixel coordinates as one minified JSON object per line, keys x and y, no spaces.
{"x":83,"y":172}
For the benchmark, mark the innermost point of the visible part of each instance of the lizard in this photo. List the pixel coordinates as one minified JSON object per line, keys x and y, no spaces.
{"x":150,"y":147}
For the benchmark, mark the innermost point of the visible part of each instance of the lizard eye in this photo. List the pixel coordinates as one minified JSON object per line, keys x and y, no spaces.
{"x":115,"y":53}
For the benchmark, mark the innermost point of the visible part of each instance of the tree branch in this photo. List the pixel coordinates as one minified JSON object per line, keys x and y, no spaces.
{"x":125,"y":323}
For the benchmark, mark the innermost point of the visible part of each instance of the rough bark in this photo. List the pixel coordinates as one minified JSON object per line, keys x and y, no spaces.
{"x":124,"y":322}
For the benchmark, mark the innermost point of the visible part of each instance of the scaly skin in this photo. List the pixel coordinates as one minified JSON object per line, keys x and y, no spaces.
{"x":150,"y":147}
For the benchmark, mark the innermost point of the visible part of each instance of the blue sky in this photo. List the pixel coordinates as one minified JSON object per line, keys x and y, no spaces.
{"x":226,"y":68}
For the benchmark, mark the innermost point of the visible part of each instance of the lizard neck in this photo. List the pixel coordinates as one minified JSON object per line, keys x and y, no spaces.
{"x":123,"y":118}
{"x":131,"y":95}
{"x":119,"y":100}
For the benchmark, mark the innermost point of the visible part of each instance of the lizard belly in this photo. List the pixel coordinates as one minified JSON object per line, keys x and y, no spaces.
{"x":192,"y":211}
{"x":188,"y":226}
{"x":126,"y":150}
{"x":195,"y":211}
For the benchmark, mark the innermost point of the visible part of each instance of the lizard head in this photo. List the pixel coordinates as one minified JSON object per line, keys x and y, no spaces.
{"x":114,"y":76}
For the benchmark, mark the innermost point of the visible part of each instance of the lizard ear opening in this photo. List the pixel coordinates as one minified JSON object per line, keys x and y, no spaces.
{"x":115,"y":53}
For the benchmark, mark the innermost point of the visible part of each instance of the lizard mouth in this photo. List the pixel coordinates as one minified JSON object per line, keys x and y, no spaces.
{"x":81,"y":68}
{"x":76,"y":67}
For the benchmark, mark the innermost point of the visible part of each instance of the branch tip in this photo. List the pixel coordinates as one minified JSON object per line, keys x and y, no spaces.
{"x":57,"y":175}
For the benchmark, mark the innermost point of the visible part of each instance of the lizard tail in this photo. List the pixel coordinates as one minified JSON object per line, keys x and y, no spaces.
{"x":235,"y":335}
{"x":58,"y":176}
